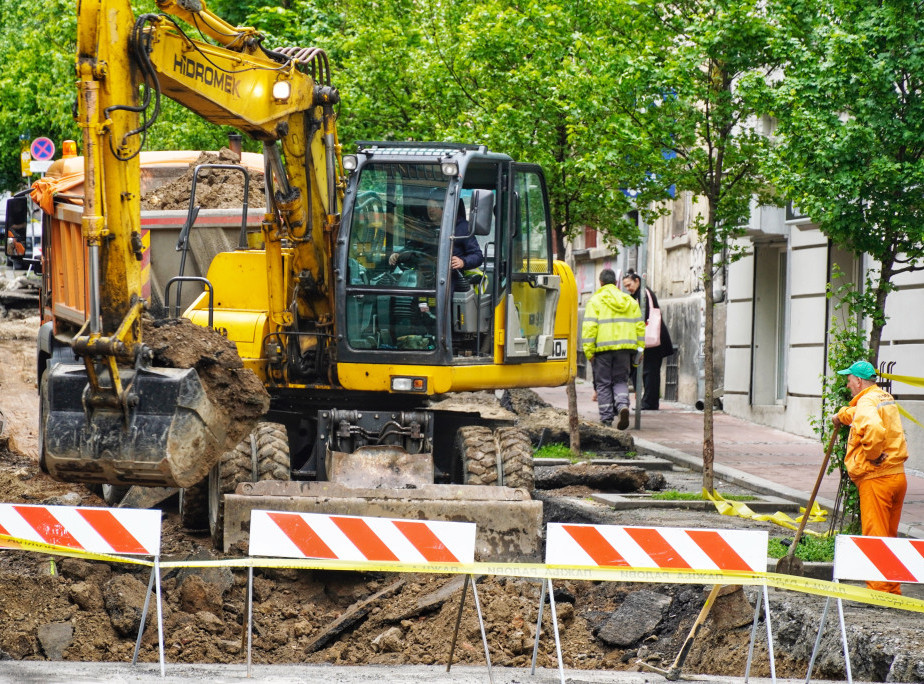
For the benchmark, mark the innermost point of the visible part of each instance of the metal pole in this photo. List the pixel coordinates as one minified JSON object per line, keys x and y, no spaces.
{"x":643,"y":305}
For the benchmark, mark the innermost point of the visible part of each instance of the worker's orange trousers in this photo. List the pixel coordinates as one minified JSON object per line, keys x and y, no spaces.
{"x":881,"y":500}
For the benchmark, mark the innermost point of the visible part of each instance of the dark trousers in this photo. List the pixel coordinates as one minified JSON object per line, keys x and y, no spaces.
{"x":651,"y":380}
{"x":611,"y":380}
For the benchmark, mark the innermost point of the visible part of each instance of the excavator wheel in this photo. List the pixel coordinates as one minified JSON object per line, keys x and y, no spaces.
{"x":194,"y":506}
{"x":261,"y":455}
{"x":478,"y":450}
{"x":113,"y":494}
{"x":516,"y":450}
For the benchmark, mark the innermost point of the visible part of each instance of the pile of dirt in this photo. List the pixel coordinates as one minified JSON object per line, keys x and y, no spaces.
{"x":215,"y":188}
{"x":90,"y":611}
{"x":232,"y":388}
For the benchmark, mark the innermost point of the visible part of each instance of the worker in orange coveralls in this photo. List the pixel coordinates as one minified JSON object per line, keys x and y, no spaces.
{"x":876,"y":453}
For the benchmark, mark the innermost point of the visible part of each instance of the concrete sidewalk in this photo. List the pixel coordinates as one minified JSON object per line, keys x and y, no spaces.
{"x":760,"y":458}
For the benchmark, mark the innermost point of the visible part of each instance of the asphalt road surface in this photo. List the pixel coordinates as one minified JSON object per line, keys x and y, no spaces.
{"x":67,"y":671}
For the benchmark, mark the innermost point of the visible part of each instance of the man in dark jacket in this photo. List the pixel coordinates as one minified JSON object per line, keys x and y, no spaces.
{"x":651,"y":364}
{"x":466,"y":252}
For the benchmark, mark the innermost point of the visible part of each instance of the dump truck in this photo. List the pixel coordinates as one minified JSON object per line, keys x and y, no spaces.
{"x":343,"y":299}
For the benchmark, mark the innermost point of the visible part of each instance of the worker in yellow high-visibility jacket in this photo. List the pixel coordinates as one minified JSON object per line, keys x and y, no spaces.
{"x":613,"y":333}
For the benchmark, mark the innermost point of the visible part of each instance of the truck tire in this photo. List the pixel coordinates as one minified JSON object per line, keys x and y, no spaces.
{"x":478,"y":450}
{"x":194,"y":506}
{"x":267,"y":447}
{"x":516,"y":450}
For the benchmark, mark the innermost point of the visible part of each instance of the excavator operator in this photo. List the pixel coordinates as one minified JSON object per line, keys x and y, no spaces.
{"x":466,"y":252}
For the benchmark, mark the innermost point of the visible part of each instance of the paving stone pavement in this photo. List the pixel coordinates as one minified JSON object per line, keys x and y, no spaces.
{"x":757,"y":457}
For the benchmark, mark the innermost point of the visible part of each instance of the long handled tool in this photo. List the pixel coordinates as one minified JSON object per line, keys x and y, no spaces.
{"x":789,"y":564}
{"x":672,"y":674}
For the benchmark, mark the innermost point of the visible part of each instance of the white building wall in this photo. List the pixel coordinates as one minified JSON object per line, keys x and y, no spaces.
{"x":808,"y":319}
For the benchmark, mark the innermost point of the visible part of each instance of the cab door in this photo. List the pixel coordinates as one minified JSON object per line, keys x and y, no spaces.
{"x":534,"y":290}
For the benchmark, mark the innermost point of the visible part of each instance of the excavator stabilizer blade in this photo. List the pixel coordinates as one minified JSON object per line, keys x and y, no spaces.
{"x":509,"y":523}
{"x":170,"y":437}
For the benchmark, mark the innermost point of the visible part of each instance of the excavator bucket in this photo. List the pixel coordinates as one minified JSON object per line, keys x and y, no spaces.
{"x":170,"y":437}
{"x":509,"y":522}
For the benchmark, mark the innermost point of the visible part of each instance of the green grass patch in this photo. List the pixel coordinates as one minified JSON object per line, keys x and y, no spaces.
{"x":559,"y":450}
{"x":674,"y":495}
{"x":811,"y":548}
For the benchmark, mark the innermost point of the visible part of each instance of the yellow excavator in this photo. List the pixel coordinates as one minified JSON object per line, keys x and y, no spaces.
{"x":348,"y":302}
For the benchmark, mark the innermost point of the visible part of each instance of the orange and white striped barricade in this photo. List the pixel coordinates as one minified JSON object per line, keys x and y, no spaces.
{"x":655,"y":548}
{"x":363,"y":541}
{"x":869,"y":559}
{"x":91,"y":531}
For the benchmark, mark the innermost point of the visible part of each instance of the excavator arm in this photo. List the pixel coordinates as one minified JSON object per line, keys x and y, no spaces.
{"x":95,"y":426}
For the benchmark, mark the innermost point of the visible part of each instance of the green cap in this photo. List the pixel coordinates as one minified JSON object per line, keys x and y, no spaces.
{"x":862,"y":369}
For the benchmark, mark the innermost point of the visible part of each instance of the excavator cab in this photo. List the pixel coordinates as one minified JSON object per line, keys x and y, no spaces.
{"x":414,"y":324}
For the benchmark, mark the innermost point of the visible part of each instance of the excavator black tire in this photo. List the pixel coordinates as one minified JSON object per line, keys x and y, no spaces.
{"x":478,"y":450}
{"x":113,"y":494}
{"x":194,"y":506}
{"x":516,"y":450}
{"x":268,"y":446}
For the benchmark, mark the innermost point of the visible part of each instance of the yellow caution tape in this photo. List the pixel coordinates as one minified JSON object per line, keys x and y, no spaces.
{"x":740,"y":509}
{"x":9,"y":542}
{"x":534,"y":570}
{"x":908,"y":380}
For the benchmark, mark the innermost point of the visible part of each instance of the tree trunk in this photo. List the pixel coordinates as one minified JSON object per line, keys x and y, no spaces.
{"x":708,"y":361}
{"x":573,"y":419}
{"x":882,"y":292}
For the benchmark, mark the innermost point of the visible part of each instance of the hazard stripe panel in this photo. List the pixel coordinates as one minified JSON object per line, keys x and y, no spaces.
{"x":884,"y":559}
{"x":360,"y":538}
{"x":96,"y":530}
{"x":656,"y":547}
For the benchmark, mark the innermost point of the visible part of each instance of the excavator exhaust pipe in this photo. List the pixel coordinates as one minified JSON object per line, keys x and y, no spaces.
{"x":171,"y":437}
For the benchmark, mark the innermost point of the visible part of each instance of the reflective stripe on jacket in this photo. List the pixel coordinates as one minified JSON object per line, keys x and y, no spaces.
{"x":875,"y":429}
{"x":612,"y":320}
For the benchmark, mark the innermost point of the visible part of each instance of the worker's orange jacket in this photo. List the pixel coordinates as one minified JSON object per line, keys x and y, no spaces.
{"x":875,"y":429}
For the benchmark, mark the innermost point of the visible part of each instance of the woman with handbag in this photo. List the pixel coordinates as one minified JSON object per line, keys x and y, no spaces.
{"x":658,"y":343}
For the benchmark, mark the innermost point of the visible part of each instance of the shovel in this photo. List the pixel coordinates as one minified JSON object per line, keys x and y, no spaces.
{"x":789,"y":564}
{"x":674,"y":672}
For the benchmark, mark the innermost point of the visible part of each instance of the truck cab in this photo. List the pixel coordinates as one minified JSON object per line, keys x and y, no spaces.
{"x":22,"y":230}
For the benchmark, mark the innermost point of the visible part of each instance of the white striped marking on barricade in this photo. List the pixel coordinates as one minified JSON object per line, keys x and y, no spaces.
{"x":871,"y":559}
{"x":95,"y":530}
{"x":355,"y":538}
{"x":656,"y":547}
{"x":126,"y":531}
{"x":878,"y":559}
{"x":362,"y":539}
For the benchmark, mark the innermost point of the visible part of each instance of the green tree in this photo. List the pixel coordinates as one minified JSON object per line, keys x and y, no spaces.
{"x":691,"y":93}
{"x":851,"y":129}
{"x":37,"y":50}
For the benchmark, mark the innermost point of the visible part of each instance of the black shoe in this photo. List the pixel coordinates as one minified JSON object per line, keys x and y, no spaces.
{"x":623,"y":418}
{"x":607,"y":423}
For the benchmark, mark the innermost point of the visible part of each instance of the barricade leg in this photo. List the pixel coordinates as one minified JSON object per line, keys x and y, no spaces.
{"x":747,"y":669}
{"x":153,"y":582}
{"x":840,"y":615}
{"x":769,"y":636}
{"x":484,"y":636}
{"x":455,"y":633}
{"x":532,"y":670}
{"x":561,"y":665}
{"x":249,"y":621}
{"x":821,"y":628}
